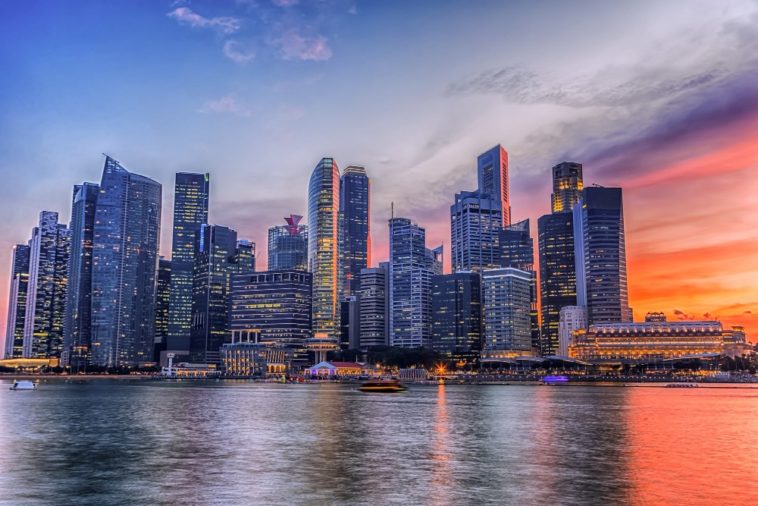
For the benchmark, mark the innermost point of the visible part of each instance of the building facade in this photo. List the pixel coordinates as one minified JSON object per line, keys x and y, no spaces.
{"x":288,"y":245}
{"x":354,"y":230}
{"x":14,"y":330}
{"x":507,"y":300}
{"x":162,"y":305}
{"x":457,"y":315}
{"x":567,"y":186}
{"x":124,"y":267}
{"x":374,"y":306}
{"x":475,"y":223}
{"x":572,"y":318}
{"x":492,"y":175}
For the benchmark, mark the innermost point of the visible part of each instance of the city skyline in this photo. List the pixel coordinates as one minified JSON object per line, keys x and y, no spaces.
{"x":694,"y":131}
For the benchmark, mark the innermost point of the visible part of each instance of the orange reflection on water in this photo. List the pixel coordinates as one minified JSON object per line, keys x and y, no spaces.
{"x":441,"y":459}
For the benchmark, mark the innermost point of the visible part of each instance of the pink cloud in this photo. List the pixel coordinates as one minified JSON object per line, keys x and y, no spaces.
{"x":237,"y":52}
{"x":294,"y":46}
{"x":227,"y":104}
{"x":186,"y":16}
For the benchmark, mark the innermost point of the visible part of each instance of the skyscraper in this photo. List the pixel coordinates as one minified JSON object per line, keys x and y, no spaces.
{"x":410,"y":285}
{"x":507,"y":300}
{"x":288,"y":245}
{"x":14,"y":333}
{"x":190,"y":212}
{"x":567,"y":186}
{"x":572,"y":318}
{"x":354,"y":228}
{"x":162,"y":303}
{"x":374,"y":306}
{"x":475,"y":220}
{"x":457,"y":315}
{"x":323,"y":225}
{"x":600,"y":256}
{"x":77,"y":329}
{"x":492,"y":172}
{"x":124,"y":266}
{"x":46,"y":292}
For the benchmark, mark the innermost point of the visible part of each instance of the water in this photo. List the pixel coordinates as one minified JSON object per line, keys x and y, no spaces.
{"x":143,"y":442}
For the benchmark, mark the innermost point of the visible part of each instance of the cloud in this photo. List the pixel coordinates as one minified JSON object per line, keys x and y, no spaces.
{"x":223,"y":24}
{"x":294,"y":46}
{"x":237,"y":52}
{"x":285,"y":3}
{"x":227,"y":104}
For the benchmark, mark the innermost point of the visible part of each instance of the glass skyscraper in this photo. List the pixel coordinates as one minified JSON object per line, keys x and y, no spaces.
{"x":374,"y":304}
{"x":190,"y":212}
{"x":162,"y":302}
{"x":475,"y":221}
{"x":77,"y":335}
{"x":600,"y":256}
{"x":46,"y":292}
{"x":124,"y":267}
{"x":507,"y":298}
{"x":288,"y":245}
{"x":354,"y":230}
{"x":492,"y":173}
{"x":14,"y":330}
{"x":567,"y":186}
{"x":457,"y":315}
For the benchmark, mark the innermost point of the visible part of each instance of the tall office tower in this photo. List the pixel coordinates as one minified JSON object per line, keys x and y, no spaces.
{"x":162,"y":304}
{"x":475,"y":220}
{"x":507,"y":299}
{"x":288,"y":245}
{"x":77,"y":327}
{"x":517,"y":250}
{"x":457,"y":315}
{"x":557,"y":275}
{"x":374,"y":306}
{"x":190,"y":212}
{"x":492,"y":172}
{"x":435,"y":259}
{"x":14,"y":330}
{"x":124,"y":267}
{"x":354,"y":228}
{"x":572,"y":319}
{"x":323,"y":253}
{"x":218,"y":256}
{"x":567,"y":186}
{"x":46,"y":292}
{"x":350,"y":322}
{"x":600,"y":254}
{"x":410,"y":285}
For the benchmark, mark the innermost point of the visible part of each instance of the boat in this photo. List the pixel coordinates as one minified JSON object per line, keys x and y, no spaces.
{"x":382,"y":386}
{"x":554,"y":380}
{"x":23,"y":385}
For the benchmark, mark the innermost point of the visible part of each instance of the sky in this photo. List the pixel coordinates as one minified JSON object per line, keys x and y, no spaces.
{"x":658,"y":97}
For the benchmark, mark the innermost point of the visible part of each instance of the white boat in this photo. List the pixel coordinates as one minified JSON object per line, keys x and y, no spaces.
{"x":23,"y":385}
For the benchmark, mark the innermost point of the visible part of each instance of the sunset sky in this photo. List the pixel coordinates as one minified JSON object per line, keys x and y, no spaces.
{"x":658,"y":97}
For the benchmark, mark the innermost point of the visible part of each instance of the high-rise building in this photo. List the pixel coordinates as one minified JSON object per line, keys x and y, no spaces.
{"x":350,"y":322}
{"x":374,"y":306}
{"x":411,"y":271}
{"x":190,"y":212}
{"x":492,"y":172}
{"x":124,"y":267}
{"x":162,"y":304}
{"x":77,"y":328}
{"x":517,"y":250}
{"x":323,"y":254}
{"x":475,"y":220}
{"x":572,"y":319}
{"x":507,"y":299}
{"x":354,"y":229}
{"x":46,"y":292}
{"x":567,"y":186}
{"x":600,"y":256}
{"x":288,"y":245}
{"x":457,"y":315}
{"x":14,"y":331}
{"x":218,"y":256}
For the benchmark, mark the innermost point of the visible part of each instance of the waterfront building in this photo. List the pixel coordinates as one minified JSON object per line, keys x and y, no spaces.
{"x":323,"y":255}
{"x":572,"y":318}
{"x":354,"y":228}
{"x":77,"y":328}
{"x":517,"y":250}
{"x":374,"y":306}
{"x":600,"y":256}
{"x":410,"y":277}
{"x":350,"y":322}
{"x":249,"y":359}
{"x":492,"y":174}
{"x":567,"y":186}
{"x":191,"y":194}
{"x":14,"y":330}
{"x":46,"y":292}
{"x":475,"y":223}
{"x":457,"y":315}
{"x":288,"y":245}
{"x":506,"y":295}
{"x":124,"y":267}
{"x":162,"y":305}
{"x":336,"y":369}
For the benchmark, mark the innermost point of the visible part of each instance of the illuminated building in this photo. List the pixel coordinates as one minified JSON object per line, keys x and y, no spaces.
{"x":475,"y":222}
{"x":14,"y":330}
{"x":191,"y":192}
{"x":600,"y":256}
{"x":46,"y":291}
{"x":492,"y":174}
{"x":572,"y":318}
{"x":323,"y":260}
{"x":374,"y":306}
{"x":251,"y":359}
{"x":354,"y":229}
{"x":653,"y":341}
{"x":506,"y":295}
{"x":124,"y":267}
{"x":567,"y":186}
{"x":77,"y":328}
{"x":162,"y":303}
{"x":288,"y":245}
{"x":457,"y":315}
{"x":331,"y":369}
